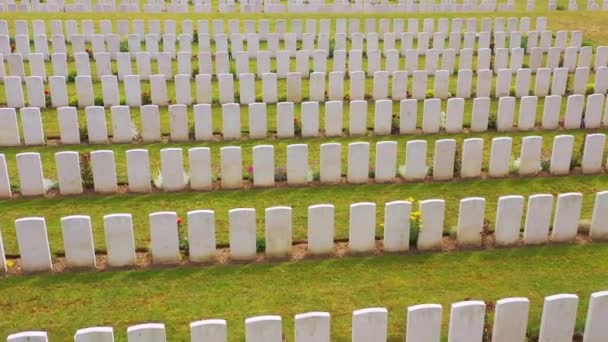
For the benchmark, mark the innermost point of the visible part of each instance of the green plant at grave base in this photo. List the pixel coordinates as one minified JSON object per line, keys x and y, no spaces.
{"x":71,"y":77}
{"x":457,"y":162}
{"x":260,"y":245}
{"x":84,"y":133}
{"x":184,"y":244}
{"x":86,"y":170}
{"x":415,"y":221}
{"x":124,"y":46}
{"x":492,"y":121}
{"x":297,"y":127}
{"x":545,"y":165}
{"x":280,"y":174}
{"x":98,"y":101}
{"x":332,"y":47}
{"x":146,"y":98}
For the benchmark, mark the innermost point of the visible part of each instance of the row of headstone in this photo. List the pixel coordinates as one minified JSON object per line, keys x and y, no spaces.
{"x":591,"y":113}
{"x":174,"y":177}
{"x":279,"y":26}
{"x":547,"y":83}
{"x":342,"y":61}
{"x":251,"y":42}
{"x":79,"y":248}
{"x":423,"y":323}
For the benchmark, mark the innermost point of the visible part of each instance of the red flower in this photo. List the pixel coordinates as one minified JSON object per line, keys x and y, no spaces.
{"x":46,"y":92}
{"x":179,"y":221}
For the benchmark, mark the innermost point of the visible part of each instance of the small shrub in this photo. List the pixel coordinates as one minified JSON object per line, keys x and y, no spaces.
{"x":525,"y":65}
{"x":282,"y":98}
{"x":545,"y":165}
{"x":590,"y":88}
{"x":457,"y":162}
{"x":586,"y":42}
{"x":297,"y":126}
{"x":332,"y":47}
{"x":492,"y":121}
{"x":84,"y":133}
{"x":122,"y":101}
{"x":194,"y":72}
{"x":47,"y":99}
{"x":184,"y":244}
{"x":512,"y":91}
{"x":395,"y":124}
{"x":98,"y":101}
{"x":346,"y":96}
{"x":430,"y":94}
{"x":280,"y":174}
{"x":71,"y":77}
{"x":524,"y":41}
{"x":195,"y":36}
{"x":429,"y":170}
{"x":371,"y":174}
{"x":316,"y":176}
{"x":86,"y":171}
{"x":73,"y":101}
{"x":146,"y":98}
{"x":584,"y":226}
{"x":577,"y":157}
{"x":260,"y":245}
{"x":124,"y":46}
{"x":259,"y":98}
{"x":415,"y":226}
{"x":560,"y":8}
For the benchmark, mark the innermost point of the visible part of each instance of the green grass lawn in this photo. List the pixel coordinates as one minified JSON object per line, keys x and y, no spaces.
{"x":297,"y":198}
{"x":63,"y":303}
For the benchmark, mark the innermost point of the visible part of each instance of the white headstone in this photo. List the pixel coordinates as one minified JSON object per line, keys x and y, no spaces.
{"x":242,"y":227}
{"x":321,"y":228}
{"x":78,"y":241}
{"x":33,"y":244}
{"x":470,"y":221}
{"x":104,"y":171}
{"x":567,"y":215}
{"x":362,"y":227}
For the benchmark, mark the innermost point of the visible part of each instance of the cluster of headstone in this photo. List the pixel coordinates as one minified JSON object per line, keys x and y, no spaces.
{"x":292,"y":6}
{"x":422,"y":323}
{"x":35,"y":253}
{"x":298,"y":171}
{"x":271,"y":6}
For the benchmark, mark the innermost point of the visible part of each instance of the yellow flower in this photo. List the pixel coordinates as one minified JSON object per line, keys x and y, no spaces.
{"x":10,"y":263}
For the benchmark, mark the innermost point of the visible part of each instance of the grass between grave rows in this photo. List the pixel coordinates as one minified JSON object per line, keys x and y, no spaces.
{"x":63,"y":303}
{"x":47,"y":153}
{"x":298,"y":198}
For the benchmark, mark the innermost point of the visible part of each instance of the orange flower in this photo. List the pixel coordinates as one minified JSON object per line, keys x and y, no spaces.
{"x":179,"y":221}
